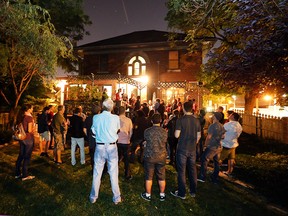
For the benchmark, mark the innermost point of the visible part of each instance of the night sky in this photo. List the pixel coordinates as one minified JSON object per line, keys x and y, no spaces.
{"x":117,"y":17}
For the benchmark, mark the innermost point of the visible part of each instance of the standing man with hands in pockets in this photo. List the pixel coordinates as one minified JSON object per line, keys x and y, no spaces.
{"x":105,"y":127}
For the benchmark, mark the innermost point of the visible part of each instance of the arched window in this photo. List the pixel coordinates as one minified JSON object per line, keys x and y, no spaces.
{"x":137,"y":66}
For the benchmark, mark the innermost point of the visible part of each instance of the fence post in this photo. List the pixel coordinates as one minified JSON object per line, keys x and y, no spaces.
{"x":285,"y":130}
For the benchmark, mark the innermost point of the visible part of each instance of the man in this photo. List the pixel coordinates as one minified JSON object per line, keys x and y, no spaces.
{"x":77,"y":136}
{"x":155,"y":157}
{"x":50,"y":118}
{"x":43,"y":130}
{"x":188,"y":130}
{"x":87,"y":130}
{"x":118,"y":98}
{"x":172,"y":140}
{"x":230,"y":142}
{"x":59,"y":126}
{"x":213,"y":148}
{"x":220,"y":110}
{"x":126,"y":130}
{"x":105,"y":127}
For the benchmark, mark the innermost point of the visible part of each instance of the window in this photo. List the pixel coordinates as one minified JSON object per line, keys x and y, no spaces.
{"x":102,"y":63}
{"x":173,"y":60}
{"x":137,"y":66}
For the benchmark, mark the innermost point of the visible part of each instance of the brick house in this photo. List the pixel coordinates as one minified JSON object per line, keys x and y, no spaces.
{"x":143,"y":63}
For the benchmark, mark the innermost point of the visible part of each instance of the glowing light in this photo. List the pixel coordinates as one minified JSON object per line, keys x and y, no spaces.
{"x":267,"y":97}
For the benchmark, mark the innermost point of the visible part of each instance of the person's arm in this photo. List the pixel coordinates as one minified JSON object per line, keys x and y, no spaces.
{"x":208,"y":138}
{"x":30,"y":127}
{"x":198,"y":136}
{"x":177,"y":133}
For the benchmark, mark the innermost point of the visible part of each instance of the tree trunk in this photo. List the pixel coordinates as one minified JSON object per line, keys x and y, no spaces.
{"x":250,"y":101}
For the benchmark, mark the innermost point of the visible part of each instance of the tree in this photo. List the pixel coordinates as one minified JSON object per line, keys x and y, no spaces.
{"x":252,"y":55}
{"x":29,"y":47}
{"x":69,"y":20}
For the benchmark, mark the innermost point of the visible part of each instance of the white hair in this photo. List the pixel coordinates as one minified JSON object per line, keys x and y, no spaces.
{"x":108,"y":104}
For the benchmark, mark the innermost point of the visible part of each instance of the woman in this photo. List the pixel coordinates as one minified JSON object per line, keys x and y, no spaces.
{"x":26,"y":146}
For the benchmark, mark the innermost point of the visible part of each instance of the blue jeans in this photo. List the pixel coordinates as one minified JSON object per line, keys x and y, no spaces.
{"x":25,"y":156}
{"x":186,"y":161}
{"x":102,"y":154}
{"x":209,"y":154}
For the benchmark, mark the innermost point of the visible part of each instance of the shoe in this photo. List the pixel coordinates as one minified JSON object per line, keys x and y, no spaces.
{"x":192,"y":195}
{"x":92,"y":200}
{"x":175,"y":193}
{"x":145,"y":197}
{"x":42,"y":154}
{"x":200,"y":180}
{"x":46,"y":154}
{"x":18,"y":176}
{"x":162,"y":198}
{"x":117,"y":202}
{"x":28,"y":178}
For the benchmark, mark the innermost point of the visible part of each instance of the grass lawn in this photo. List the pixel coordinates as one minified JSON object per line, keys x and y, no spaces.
{"x":64,"y":190}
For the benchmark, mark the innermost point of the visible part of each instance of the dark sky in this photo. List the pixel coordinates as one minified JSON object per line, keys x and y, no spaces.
{"x":117,"y":17}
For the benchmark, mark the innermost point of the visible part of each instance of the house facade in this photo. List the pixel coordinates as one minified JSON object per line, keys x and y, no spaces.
{"x":143,"y":63}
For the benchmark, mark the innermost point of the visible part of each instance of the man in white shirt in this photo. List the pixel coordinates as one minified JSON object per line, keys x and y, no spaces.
{"x":105,"y":126}
{"x":230,"y":141}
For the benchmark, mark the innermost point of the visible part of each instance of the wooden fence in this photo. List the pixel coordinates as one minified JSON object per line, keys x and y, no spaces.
{"x":265,"y":126}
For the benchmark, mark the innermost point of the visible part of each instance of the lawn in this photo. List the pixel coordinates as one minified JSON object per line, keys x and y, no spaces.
{"x":64,"y":190}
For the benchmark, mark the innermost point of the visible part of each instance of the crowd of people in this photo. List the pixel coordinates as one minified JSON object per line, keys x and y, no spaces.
{"x":153,"y":135}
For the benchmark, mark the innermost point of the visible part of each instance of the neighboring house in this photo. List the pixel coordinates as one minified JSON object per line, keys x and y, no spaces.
{"x":142,"y":63}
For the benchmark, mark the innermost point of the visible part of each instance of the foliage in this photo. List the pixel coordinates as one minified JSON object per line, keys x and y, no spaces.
{"x":252,"y":54}
{"x":69,"y":20}
{"x":30,"y":46}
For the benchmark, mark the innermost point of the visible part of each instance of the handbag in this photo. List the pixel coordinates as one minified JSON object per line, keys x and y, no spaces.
{"x":19,"y":132}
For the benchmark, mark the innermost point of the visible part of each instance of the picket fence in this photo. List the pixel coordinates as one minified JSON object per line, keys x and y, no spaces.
{"x":265,"y":126}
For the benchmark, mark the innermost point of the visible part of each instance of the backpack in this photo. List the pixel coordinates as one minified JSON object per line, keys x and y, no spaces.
{"x":19,"y":132}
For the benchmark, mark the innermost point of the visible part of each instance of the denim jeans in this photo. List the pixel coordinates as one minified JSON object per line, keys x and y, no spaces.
{"x":186,"y":161}
{"x":123,"y":150}
{"x":80,"y":143}
{"x":209,"y":154}
{"x":25,"y":156}
{"x":102,"y":154}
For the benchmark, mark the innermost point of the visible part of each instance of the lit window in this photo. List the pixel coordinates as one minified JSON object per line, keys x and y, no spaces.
{"x":136,"y":66}
{"x":173,"y":60}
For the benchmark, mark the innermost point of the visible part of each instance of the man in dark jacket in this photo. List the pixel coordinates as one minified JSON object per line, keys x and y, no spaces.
{"x":77,"y":136}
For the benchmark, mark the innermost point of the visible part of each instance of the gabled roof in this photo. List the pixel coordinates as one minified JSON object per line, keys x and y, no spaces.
{"x":150,"y":36}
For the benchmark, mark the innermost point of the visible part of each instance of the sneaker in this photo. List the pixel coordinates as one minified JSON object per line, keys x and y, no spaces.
{"x":28,"y":178}
{"x":175,"y":193}
{"x":200,"y":180}
{"x":162,"y":198}
{"x":92,"y":200}
{"x":117,"y":202}
{"x":192,"y":195}
{"x":18,"y":176}
{"x":145,"y":197}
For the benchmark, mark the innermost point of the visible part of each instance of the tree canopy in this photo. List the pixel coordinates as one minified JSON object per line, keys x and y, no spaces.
{"x":29,"y":47}
{"x":252,"y":54}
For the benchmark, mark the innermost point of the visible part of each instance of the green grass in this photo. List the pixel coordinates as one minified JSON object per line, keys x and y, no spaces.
{"x":64,"y":190}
